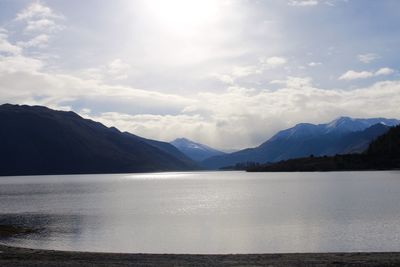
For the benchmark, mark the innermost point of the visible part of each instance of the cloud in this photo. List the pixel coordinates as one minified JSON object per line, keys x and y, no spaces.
{"x":309,"y":3}
{"x":353,"y":75}
{"x":367,"y":58}
{"x":239,"y":117}
{"x":42,"y":25}
{"x":39,"y":23}
{"x":243,"y":71}
{"x":314,"y":64}
{"x":294,"y":82}
{"x":36,"y":10}
{"x":303,"y":3}
{"x":243,"y":111}
{"x":114,"y":70}
{"x":273,"y":61}
{"x":161,"y":127}
{"x":24,"y":79}
{"x":39,"y":18}
{"x":18,"y":63}
{"x":225,"y":78}
{"x":39,"y":41}
{"x":384,"y":71}
{"x":234,"y":118}
{"x":5,"y":45}
{"x":118,"y":69}
{"x":236,"y":72}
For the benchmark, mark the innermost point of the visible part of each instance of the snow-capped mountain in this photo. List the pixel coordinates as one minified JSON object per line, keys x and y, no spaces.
{"x":341,"y":125}
{"x":342,"y":135}
{"x":195,"y":151}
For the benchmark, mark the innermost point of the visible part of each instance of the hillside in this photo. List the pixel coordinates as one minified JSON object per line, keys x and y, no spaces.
{"x":38,"y":140}
{"x":341,"y":136}
{"x":382,"y":154}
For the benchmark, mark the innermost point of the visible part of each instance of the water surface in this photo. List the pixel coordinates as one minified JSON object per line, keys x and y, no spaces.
{"x":206,"y":212}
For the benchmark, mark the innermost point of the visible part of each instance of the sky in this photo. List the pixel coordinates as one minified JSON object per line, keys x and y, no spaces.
{"x":226,"y":73}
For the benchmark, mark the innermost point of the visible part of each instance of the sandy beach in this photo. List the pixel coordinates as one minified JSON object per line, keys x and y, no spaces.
{"x":13,"y":256}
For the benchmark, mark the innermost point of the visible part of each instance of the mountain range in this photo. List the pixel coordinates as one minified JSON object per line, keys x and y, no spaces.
{"x":37,"y":140}
{"x":383,"y":153}
{"x":341,"y":136}
{"x":195,"y":151}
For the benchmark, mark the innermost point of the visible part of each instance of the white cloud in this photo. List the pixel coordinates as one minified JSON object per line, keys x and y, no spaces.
{"x":240,"y":117}
{"x":39,"y":41}
{"x":42,"y":25}
{"x":236,"y":72}
{"x":294,"y":82}
{"x":274,"y":61}
{"x":353,"y":75}
{"x":92,"y":74}
{"x":384,"y":71}
{"x":367,"y":58}
{"x":118,"y":69}
{"x":231,"y":117}
{"x":303,"y":2}
{"x":161,"y":127}
{"x":39,"y":18}
{"x":235,"y":118}
{"x":114,"y":70}
{"x":36,"y":10}
{"x":264,"y":63}
{"x":225,"y":78}
{"x":314,"y":64}
{"x":24,"y":80}
{"x":5,"y":45}
{"x":18,"y":63}
{"x":243,"y":71}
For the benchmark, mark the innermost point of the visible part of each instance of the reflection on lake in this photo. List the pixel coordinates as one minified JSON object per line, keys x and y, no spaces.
{"x":206,"y":212}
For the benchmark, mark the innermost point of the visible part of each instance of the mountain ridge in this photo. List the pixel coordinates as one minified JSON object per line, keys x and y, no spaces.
{"x":36,"y":140}
{"x":383,"y":153}
{"x":302,"y":140}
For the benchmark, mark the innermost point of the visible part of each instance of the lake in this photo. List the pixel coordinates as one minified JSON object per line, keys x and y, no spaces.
{"x":206,"y":212}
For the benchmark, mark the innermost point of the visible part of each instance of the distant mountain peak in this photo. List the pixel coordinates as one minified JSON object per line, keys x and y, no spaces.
{"x":348,"y":124}
{"x":303,"y":125}
{"x":338,"y":122}
{"x":182,"y":139}
{"x":193,"y":150}
{"x":342,"y":119}
{"x":186,"y":142}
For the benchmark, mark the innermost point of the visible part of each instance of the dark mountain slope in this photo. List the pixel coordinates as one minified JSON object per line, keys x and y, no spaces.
{"x":38,"y":140}
{"x":358,"y":142}
{"x":387,"y":145}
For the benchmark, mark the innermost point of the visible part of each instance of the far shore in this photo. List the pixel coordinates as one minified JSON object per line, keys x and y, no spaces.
{"x":14,"y":256}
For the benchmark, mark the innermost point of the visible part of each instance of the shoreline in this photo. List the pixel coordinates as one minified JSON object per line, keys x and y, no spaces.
{"x":17,"y":256}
